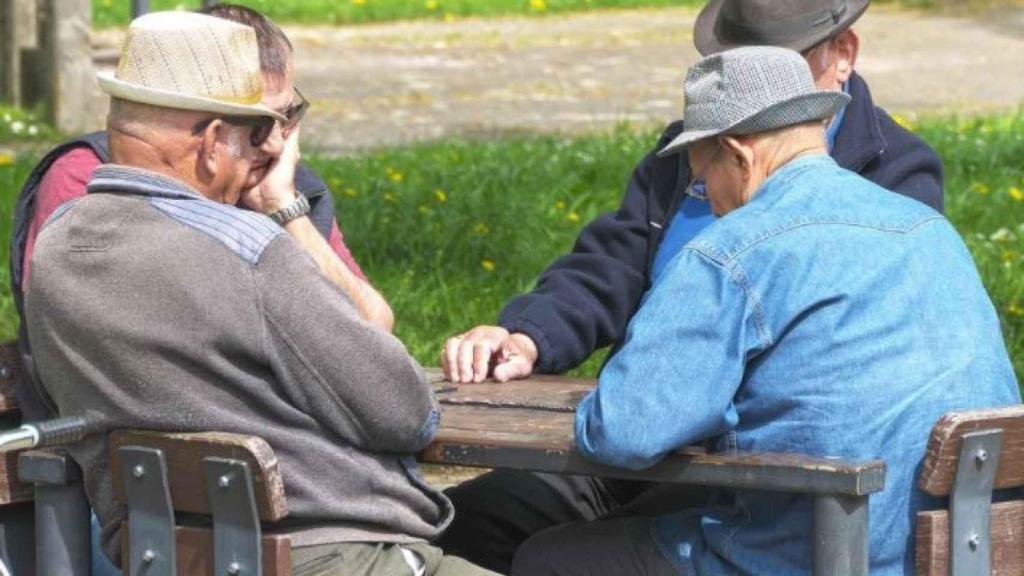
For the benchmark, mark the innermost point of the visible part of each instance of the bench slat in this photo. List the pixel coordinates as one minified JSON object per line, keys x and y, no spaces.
{"x":939,"y":467}
{"x":11,"y":371}
{"x":932,"y":541}
{"x":12,"y":490}
{"x":184,"y":453}
{"x":543,"y":441}
{"x":194,"y":547}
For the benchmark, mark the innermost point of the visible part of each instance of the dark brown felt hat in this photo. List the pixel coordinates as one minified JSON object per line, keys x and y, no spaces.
{"x":795,"y":24}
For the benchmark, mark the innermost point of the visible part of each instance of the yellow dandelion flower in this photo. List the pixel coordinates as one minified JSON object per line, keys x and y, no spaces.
{"x":902,"y":121}
{"x":350,"y":192}
{"x":538,"y":5}
{"x":481,"y":229}
{"x":572,"y":217}
{"x":449,"y":17}
{"x":1017,"y":194}
{"x":334,"y":182}
{"x":440,"y":195}
{"x":1009,"y":255}
{"x":487,"y":265}
{"x":430,"y":4}
{"x":358,"y":2}
{"x":6,"y":158}
{"x":1015,"y":310}
{"x":980,"y":188}
{"x":559,"y":205}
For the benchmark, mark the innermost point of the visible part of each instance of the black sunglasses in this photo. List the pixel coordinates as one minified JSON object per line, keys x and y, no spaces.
{"x":262,"y":126}
{"x":294,"y":113}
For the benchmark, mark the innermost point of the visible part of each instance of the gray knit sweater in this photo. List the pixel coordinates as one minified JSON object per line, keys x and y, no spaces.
{"x":156,"y":308}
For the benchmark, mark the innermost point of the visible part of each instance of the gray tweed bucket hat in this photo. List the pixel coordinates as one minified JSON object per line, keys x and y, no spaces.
{"x":750,"y":90}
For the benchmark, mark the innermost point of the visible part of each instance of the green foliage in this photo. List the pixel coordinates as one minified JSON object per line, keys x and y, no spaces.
{"x":116,"y":12}
{"x":450,"y":231}
{"x":19,"y":126}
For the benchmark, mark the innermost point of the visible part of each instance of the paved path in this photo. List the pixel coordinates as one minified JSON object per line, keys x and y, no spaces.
{"x":387,"y":84}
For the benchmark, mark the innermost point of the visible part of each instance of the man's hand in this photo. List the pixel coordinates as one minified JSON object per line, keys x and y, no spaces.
{"x":277,"y":188}
{"x":488,"y":350}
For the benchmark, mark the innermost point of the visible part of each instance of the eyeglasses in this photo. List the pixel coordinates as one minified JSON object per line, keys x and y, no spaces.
{"x":698,"y":188}
{"x":294,"y":113}
{"x":262,"y":126}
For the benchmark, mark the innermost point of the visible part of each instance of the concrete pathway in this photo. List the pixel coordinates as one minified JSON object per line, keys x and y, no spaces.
{"x":387,"y":84}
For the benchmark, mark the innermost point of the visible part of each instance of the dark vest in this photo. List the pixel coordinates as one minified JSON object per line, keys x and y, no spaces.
{"x":32,"y":399}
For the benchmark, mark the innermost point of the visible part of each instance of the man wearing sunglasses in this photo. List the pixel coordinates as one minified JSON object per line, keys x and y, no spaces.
{"x":156,"y":302}
{"x":63,"y":173}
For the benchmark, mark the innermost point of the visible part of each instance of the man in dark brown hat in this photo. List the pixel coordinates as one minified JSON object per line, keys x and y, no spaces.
{"x":584,"y":300}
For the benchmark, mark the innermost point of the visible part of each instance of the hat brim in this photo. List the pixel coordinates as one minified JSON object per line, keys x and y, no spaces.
{"x":707,"y":41}
{"x":165,"y":99}
{"x":819,"y":105}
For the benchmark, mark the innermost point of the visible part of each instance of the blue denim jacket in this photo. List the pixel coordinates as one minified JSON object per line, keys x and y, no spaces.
{"x":828,"y":317}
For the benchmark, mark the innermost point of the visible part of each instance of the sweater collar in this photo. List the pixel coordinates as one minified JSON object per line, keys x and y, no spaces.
{"x":859,"y":140}
{"x":117,"y":178}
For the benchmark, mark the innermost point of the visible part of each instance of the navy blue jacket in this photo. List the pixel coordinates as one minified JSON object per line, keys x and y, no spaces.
{"x":584,"y":300}
{"x":32,"y":400}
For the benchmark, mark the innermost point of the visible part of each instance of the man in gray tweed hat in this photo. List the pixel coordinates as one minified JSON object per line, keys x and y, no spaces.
{"x":583,"y":301}
{"x":815,"y":330}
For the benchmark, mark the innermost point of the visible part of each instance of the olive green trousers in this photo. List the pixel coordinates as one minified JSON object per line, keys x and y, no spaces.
{"x":379,"y":559}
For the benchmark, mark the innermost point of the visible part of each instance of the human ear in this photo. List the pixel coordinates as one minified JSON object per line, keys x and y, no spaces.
{"x":209,"y":140}
{"x":845,"y":46}
{"x":739,"y":153}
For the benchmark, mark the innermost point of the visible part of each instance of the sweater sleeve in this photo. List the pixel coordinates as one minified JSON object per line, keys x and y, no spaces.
{"x":909,"y":165}
{"x":583,"y":301}
{"x":355,"y":379}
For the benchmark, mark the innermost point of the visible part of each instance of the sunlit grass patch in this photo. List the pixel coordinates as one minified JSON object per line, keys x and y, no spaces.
{"x":116,"y":12}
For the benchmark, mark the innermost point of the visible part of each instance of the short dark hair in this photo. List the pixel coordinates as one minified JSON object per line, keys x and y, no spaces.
{"x":275,"y":48}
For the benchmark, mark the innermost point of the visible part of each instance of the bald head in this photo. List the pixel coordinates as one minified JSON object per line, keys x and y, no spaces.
{"x":735,"y":166}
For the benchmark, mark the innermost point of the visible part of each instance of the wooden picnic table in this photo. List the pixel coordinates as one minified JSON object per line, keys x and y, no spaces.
{"x":528,"y":425}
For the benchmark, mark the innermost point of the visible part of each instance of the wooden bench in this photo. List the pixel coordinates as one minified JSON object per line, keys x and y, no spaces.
{"x":970,"y":456}
{"x":17,"y":541}
{"x":231,"y":481}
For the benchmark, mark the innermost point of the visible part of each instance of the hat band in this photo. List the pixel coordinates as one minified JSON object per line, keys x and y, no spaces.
{"x":779,"y":31}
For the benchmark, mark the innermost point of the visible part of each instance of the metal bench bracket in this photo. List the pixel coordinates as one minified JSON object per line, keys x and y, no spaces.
{"x":150,"y":513}
{"x":236,"y":525}
{"x":971,"y":501}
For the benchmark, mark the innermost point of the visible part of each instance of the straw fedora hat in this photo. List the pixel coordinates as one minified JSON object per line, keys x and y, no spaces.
{"x":751,"y":90}
{"x":795,"y":24}
{"x":190,"y":61}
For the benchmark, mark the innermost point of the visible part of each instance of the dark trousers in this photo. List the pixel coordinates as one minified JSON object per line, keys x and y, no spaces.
{"x":497,"y":512}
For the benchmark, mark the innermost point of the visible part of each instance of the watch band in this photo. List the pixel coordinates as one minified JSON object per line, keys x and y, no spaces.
{"x":298,"y":208}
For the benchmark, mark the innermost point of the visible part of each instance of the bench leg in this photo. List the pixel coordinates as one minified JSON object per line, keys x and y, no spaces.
{"x":840,"y":535}
{"x":62,"y":530}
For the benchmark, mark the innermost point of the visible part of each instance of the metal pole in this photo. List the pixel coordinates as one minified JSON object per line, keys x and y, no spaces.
{"x":840,"y":535}
{"x":62,"y":530}
{"x":139,"y":7}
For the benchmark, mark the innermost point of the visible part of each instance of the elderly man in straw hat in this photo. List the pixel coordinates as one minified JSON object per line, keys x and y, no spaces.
{"x":816,"y":330}
{"x":156,"y":303}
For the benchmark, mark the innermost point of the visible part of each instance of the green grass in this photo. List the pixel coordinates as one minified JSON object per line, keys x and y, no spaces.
{"x":116,"y":12}
{"x":108,"y":13}
{"x":510,"y":207}
{"x":449,"y":231}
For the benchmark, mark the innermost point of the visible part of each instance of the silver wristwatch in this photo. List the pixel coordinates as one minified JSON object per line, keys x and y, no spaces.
{"x":298,"y":208}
